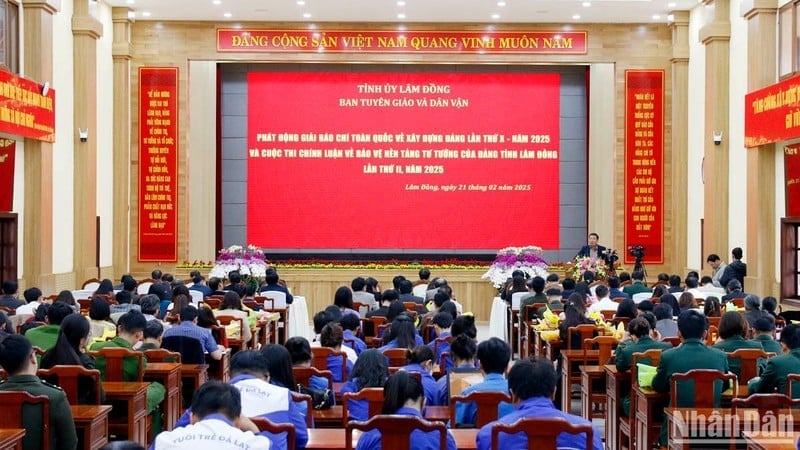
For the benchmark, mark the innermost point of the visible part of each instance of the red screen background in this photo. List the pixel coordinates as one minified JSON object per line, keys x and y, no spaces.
{"x":492,"y":190}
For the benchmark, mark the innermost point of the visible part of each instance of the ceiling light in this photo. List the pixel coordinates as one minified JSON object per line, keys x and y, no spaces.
{"x":576,"y":17}
{"x":495,"y":16}
{"x":501,"y":3}
{"x":227,"y":15}
{"x":671,"y":5}
{"x":401,"y":16}
{"x":656,"y":17}
{"x":131,"y":14}
{"x":130,"y":2}
{"x":312,"y":26}
{"x":401,"y":28}
{"x":145,"y":13}
{"x":671,"y":18}
{"x":306,"y":15}
{"x":401,"y":3}
{"x":586,"y":4}
{"x":301,"y":2}
{"x":217,"y":2}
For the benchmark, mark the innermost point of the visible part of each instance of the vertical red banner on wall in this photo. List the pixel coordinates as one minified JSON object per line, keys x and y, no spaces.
{"x":644,"y":163}
{"x":158,"y":163}
{"x":8,"y":148}
{"x":791,"y":164}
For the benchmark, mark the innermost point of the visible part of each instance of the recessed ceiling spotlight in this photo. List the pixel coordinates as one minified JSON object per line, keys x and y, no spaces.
{"x":586,"y":4}
{"x":301,"y":2}
{"x":227,"y":15}
{"x":306,"y":15}
{"x":576,"y":17}
{"x":130,"y":2}
{"x":401,"y":3}
{"x":656,"y":17}
{"x":401,"y":16}
{"x":495,"y":16}
{"x":671,"y":5}
{"x":216,"y":2}
{"x":501,"y":3}
{"x":401,"y":28}
{"x":145,"y":13}
{"x":671,"y":18}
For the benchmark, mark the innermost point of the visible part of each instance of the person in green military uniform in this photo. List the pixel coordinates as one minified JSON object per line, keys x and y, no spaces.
{"x":691,"y":354}
{"x":764,"y":327}
{"x":777,"y":368}
{"x":732,"y":331}
{"x":638,"y":285}
{"x":537,"y":295}
{"x":638,"y":340}
{"x":19,"y":361}
{"x":45,"y":336}
{"x":130,"y":330}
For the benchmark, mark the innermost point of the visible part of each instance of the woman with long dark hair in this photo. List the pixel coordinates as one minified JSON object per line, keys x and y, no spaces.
{"x":403,"y":395}
{"x":402,"y":334}
{"x":574,"y":315}
{"x":280,"y":370}
{"x":370,"y":370}
{"x":69,"y":351}
{"x":421,"y":361}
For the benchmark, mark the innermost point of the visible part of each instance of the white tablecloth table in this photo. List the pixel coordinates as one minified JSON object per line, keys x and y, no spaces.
{"x":299,"y":324}
{"x":498,"y":318}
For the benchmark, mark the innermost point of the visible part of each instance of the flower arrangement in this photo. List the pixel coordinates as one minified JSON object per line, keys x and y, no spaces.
{"x":527,"y":259}
{"x":583,"y":263}
{"x":250,"y":261}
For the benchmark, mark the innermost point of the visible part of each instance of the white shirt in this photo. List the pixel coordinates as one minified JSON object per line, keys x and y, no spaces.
{"x":604,"y":304}
{"x":212,"y":433}
{"x":28,"y":308}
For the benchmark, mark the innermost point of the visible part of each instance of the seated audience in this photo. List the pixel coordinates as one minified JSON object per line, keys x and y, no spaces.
{"x":764,"y":334}
{"x":402,"y":334}
{"x":386,"y":300}
{"x":778,"y":368}
{"x":66,"y":296}
{"x":752,"y":309}
{"x":9,"y":298}
{"x":332,"y":337}
{"x":494,"y":355}
{"x":45,"y":336}
{"x":404,"y":396}
{"x":732,"y":336}
{"x":441,"y":326}
{"x":215,"y":423}
{"x":370,"y":370}
{"x":638,"y":339}
{"x":665,"y":324}
{"x":604,"y":302}
{"x":231,"y":305}
{"x":574,"y":315}
{"x":462,"y":352}
{"x":279,"y":364}
{"x":350,"y":325}
{"x":343,"y":299}
{"x":300,"y":353}
{"x":33,"y":298}
{"x":734,"y":290}
{"x":100,"y":320}
{"x":532,"y":384}
{"x":712,"y":307}
{"x":153,"y":335}
{"x":769,"y":305}
{"x":19,"y":361}
{"x":272,"y":283}
{"x":464,"y":325}
{"x":420,"y":360}
{"x":188,"y":327}
{"x":627,"y":308}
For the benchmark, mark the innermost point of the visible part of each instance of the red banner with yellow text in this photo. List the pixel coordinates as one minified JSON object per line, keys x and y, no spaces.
{"x":158,"y":163}
{"x":772,"y":114}
{"x":8,"y":148}
{"x":644,"y":164}
{"x":791,"y":164}
{"x":25,"y":110}
{"x":411,"y":41}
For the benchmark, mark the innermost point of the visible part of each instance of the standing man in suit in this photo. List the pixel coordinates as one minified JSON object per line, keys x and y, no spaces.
{"x":592,"y":249}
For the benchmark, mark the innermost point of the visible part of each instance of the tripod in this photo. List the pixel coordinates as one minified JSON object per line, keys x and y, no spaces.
{"x":638,"y":265}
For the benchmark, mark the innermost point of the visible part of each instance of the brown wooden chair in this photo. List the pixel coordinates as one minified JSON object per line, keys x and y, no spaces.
{"x":605,"y":347}
{"x":395,"y":430}
{"x":369,"y":328}
{"x":361,"y":308}
{"x":410,"y":306}
{"x":300,"y":398}
{"x":487,"y":406}
{"x":74,"y":380}
{"x":585,"y":331}
{"x":235,"y":344}
{"x":220,"y":335}
{"x":373,"y":396}
{"x":542,"y":433}
{"x":765,"y":403}
{"x":302,"y":375}
{"x":143,"y":286}
{"x":712,"y":335}
{"x":704,"y":381}
{"x":212,"y":302}
{"x":739,"y":302}
{"x":749,"y":359}
{"x":91,"y":284}
{"x":791,"y":379}
{"x":265,"y":424}
{"x":714,"y":321}
{"x":441,"y":341}
{"x":608,"y":314}
{"x":397,"y":356}
{"x":115,"y":358}
{"x":84,"y":304}
{"x":626,"y":424}
{"x":319,"y":359}
{"x":274,"y":303}
{"x":674,"y":340}
{"x":37,"y":433}
{"x":623,"y":320}
{"x":160,"y":355}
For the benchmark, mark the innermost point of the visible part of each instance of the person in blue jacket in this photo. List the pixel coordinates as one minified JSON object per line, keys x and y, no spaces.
{"x":300,"y":352}
{"x":462,"y":350}
{"x":532,"y":384}
{"x":370,"y":370}
{"x":442,"y":323}
{"x":404,"y":395}
{"x":280,"y":371}
{"x":494,"y":355}
{"x":250,"y":375}
{"x":350,"y":324}
{"x":420,"y":360}
{"x":402,"y":334}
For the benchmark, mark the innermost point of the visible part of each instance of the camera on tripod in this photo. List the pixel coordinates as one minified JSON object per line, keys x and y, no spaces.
{"x":637,"y":251}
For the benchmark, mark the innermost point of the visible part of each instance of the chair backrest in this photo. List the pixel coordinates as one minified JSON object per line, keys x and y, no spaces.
{"x":84,"y":304}
{"x":705,"y":392}
{"x":397,"y":356}
{"x":749,"y":358}
{"x":373,"y":396}
{"x":542,"y":433}
{"x":395,"y":430}
{"x":197,"y":296}
{"x":586,"y":331}
{"x":69,"y":379}
{"x":650,"y":357}
{"x":712,"y":335}
{"x":190,"y":349}
{"x":144,"y":286}
{"x":225,"y":320}
{"x":608,"y":314}
{"x":220,"y":335}
{"x":765,"y":403}
{"x":714,"y":321}
{"x":302,"y":375}
{"x":441,"y":341}
{"x":487,"y":404}
{"x":529,"y":311}
{"x":369,"y":325}
{"x":212,"y":302}
{"x":297,"y":398}
{"x":265,"y":424}
{"x":604,"y":345}
{"x":674,"y":340}
{"x":159,"y":355}
{"x":361,"y":308}
{"x":319,"y":359}
{"x":274,"y":300}
{"x":739,"y":302}
{"x":791,"y":379}
{"x":13,"y":403}
{"x":91,"y":284}
{"x":115,"y":362}
{"x":516,"y":299}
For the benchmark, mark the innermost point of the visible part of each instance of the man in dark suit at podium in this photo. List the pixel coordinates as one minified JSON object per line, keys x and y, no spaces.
{"x":592,"y":249}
